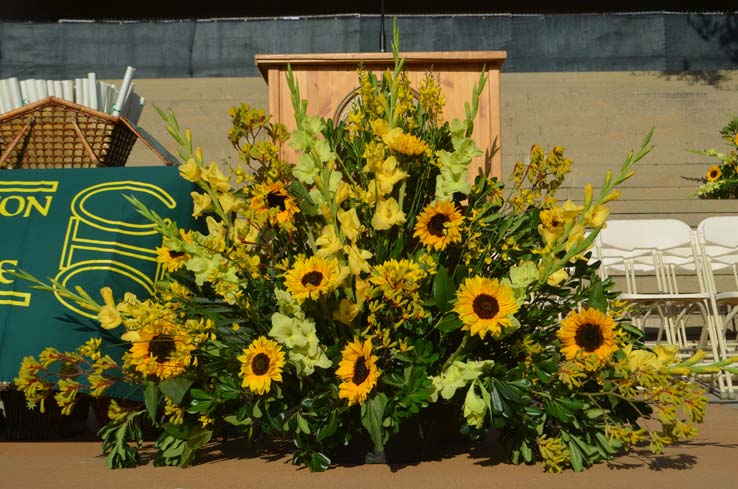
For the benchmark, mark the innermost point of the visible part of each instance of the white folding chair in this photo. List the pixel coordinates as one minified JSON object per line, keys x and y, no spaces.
{"x":718,"y":241}
{"x":663,"y":271}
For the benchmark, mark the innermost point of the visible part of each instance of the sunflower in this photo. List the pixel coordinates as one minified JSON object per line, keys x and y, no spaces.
{"x":714,"y":174}
{"x":273,"y":199}
{"x":438,"y":225}
{"x":261,"y":363}
{"x":312,"y":277}
{"x":588,"y":330}
{"x":161,"y":348}
{"x":170,"y":259}
{"x":358,"y":371}
{"x":485,"y":306}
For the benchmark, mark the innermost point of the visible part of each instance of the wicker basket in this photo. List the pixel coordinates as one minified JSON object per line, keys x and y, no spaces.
{"x":56,"y":133}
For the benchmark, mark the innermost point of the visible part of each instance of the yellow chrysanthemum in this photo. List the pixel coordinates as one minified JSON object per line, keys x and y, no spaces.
{"x":588,"y":330}
{"x":714,"y":174}
{"x":485,"y":306}
{"x":261,"y":364}
{"x":312,"y":277}
{"x":160,"y":349}
{"x":407,"y":144}
{"x":171,"y":260}
{"x":273,"y":199}
{"x":358,"y":371}
{"x":403,"y":276}
{"x":438,"y":225}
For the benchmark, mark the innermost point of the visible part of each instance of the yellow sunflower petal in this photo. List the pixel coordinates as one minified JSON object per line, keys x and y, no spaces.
{"x":261,"y":363}
{"x":485,"y":306}
{"x":589,"y":331}
{"x":358,"y":371}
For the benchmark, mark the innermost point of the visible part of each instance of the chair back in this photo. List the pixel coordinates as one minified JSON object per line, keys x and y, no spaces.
{"x":659,"y":249}
{"x":718,"y":241}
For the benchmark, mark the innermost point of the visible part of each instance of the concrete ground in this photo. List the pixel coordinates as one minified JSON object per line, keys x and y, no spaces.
{"x":706,"y":461}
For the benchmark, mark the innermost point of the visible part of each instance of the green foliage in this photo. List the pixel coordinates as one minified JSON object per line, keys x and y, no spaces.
{"x":721,"y":180}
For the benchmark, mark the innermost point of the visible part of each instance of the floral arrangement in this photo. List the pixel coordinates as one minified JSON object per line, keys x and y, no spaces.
{"x":721,"y":181}
{"x":341,"y":300}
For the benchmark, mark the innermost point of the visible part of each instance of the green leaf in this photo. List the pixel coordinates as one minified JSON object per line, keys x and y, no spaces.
{"x":327,"y":429}
{"x":526,"y":451}
{"x":597,"y":299}
{"x":302,"y":424}
{"x":201,"y":395}
{"x":507,"y":391}
{"x":175,"y":388}
{"x":589,"y":450}
{"x":151,"y":399}
{"x":449,"y":323}
{"x":443,"y":289}
{"x":372,"y":413}
{"x":576,"y":457}
{"x":605,"y":443}
{"x":233,"y":419}
{"x":198,"y":438}
{"x":319,"y":462}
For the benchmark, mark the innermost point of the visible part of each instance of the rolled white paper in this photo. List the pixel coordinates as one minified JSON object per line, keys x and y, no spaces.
{"x":41,"y":91}
{"x":16,"y":97}
{"x":92,"y":90}
{"x":50,"y":90}
{"x":79,"y":91}
{"x":123,"y":93}
{"x":58,"y":90}
{"x":134,"y":107}
{"x":127,"y":102}
{"x":98,"y":95}
{"x":4,"y":97}
{"x":25,"y":91}
{"x":68,"y":90}
{"x":139,"y":109}
{"x":85,"y":93}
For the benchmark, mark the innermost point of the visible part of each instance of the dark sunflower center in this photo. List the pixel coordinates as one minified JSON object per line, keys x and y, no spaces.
{"x":485,"y":306}
{"x":176,"y":254}
{"x":435,"y":226}
{"x":161,"y":347}
{"x":313,"y":278}
{"x":361,"y":372}
{"x":260,"y":364}
{"x":275,"y":199}
{"x":589,"y":337}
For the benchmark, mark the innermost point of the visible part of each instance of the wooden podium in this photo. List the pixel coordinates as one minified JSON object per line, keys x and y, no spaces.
{"x":328,"y":80}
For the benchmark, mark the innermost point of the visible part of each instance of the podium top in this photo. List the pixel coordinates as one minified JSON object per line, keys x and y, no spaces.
{"x":266,"y":61}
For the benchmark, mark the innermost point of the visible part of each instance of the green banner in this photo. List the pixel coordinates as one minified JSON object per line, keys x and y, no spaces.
{"x":75,"y":225}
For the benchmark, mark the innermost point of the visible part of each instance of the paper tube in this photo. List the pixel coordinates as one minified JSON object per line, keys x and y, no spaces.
{"x":68,"y":90}
{"x":58,"y":90}
{"x":79,"y":91}
{"x":16,"y":97}
{"x":25,"y":91}
{"x":4,"y":97}
{"x":41,"y":91}
{"x":50,"y":89}
{"x":92,"y":90}
{"x":123,"y":93}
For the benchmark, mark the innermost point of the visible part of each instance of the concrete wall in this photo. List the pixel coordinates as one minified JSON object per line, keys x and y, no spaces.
{"x":596,"y":116}
{"x":226,"y":47}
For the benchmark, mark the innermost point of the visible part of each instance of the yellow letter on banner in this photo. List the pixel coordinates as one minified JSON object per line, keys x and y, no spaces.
{"x":90,"y":233}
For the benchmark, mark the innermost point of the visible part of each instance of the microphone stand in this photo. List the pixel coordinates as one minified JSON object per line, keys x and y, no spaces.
{"x":382,"y":36}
